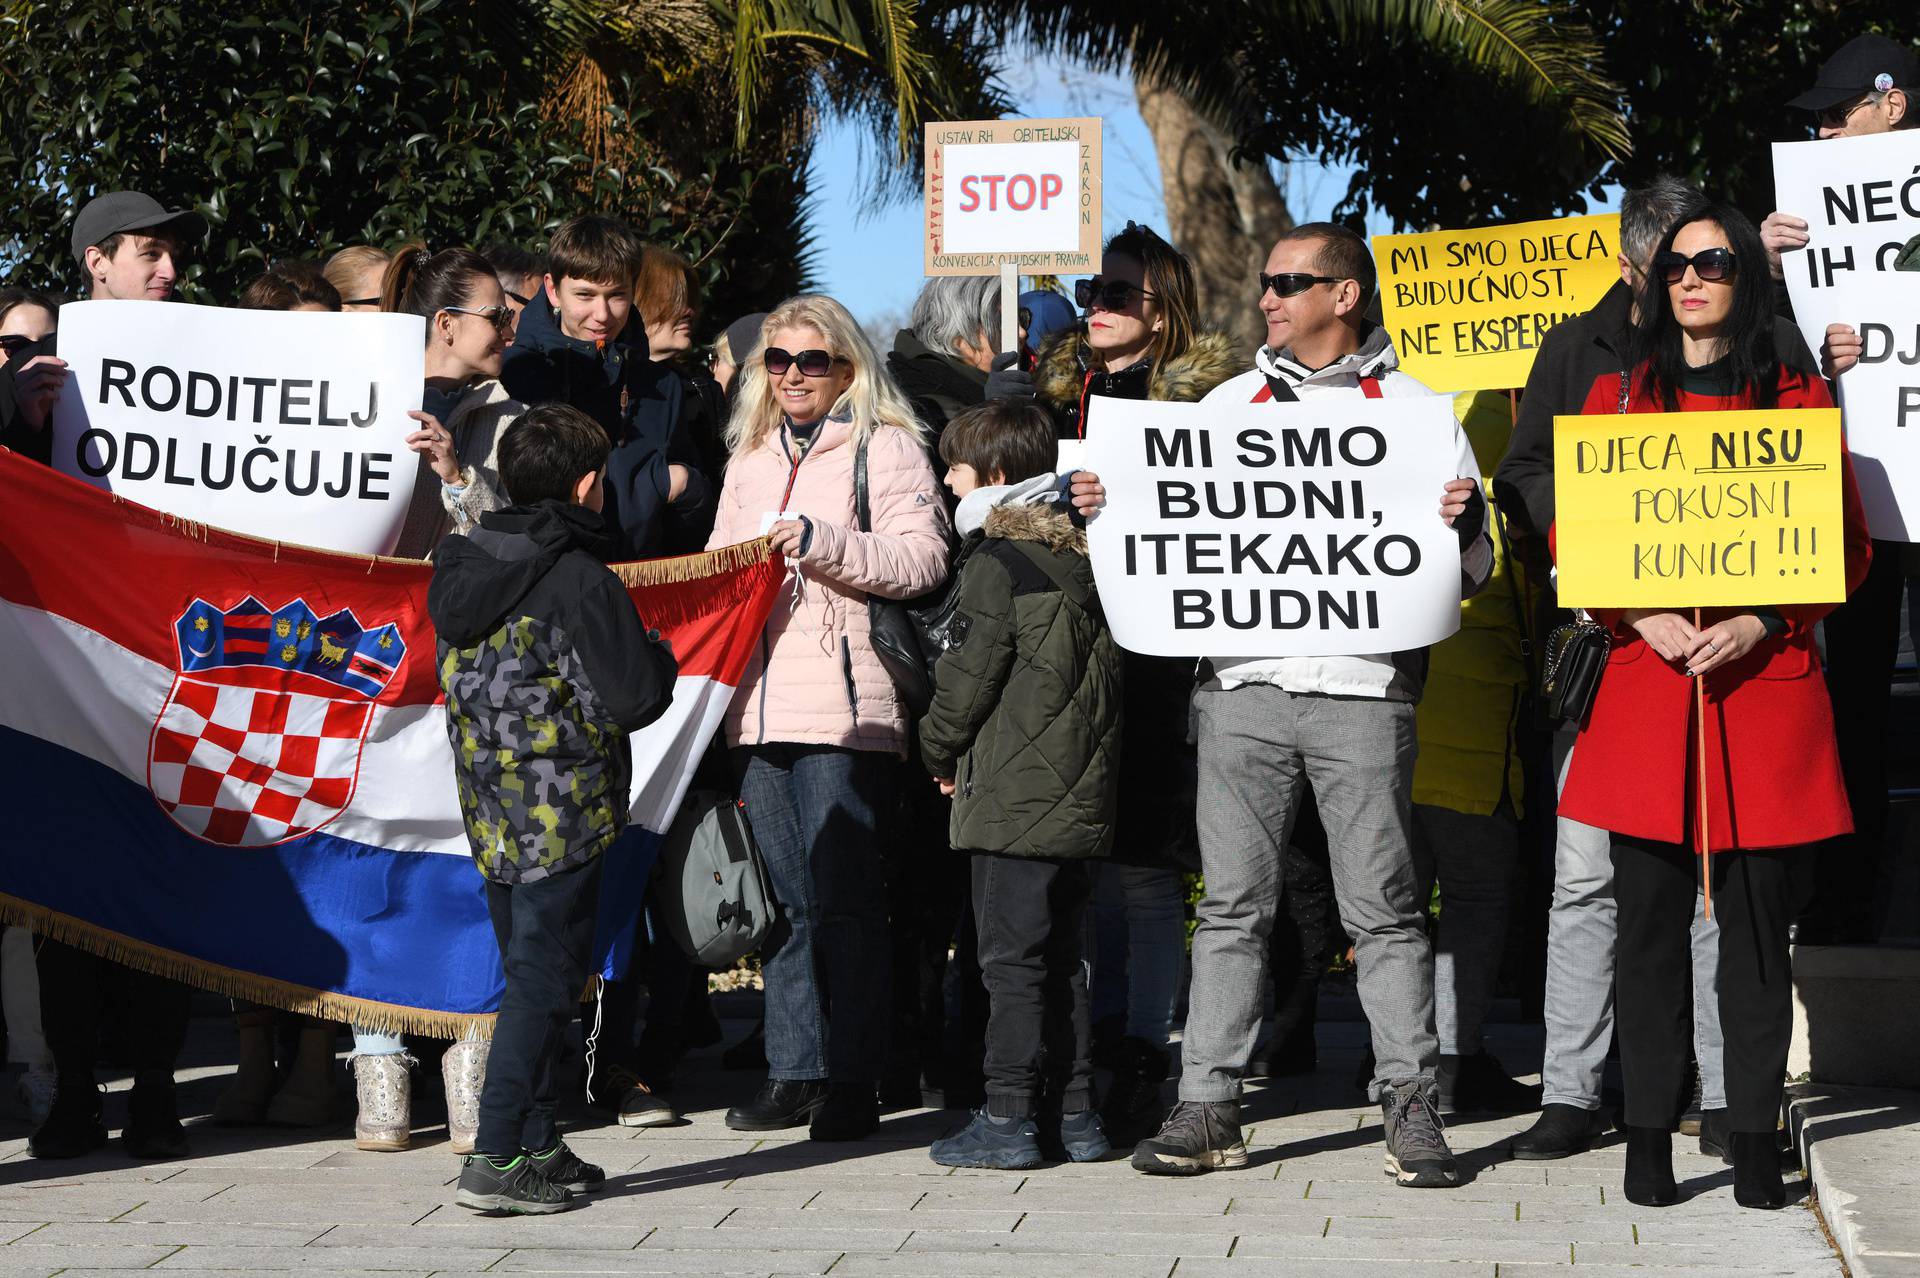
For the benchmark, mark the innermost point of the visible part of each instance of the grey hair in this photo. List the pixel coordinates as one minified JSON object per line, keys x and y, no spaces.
{"x":1648,"y":212}
{"x":957,"y":308}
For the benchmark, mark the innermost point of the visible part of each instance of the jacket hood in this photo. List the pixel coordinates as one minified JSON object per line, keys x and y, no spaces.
{"x":479,"y":578}
{"x":1049,"y":525}
{"x":538,"y":329}
{"x":1375,"y":358}
{"x":1060,"y":373}
{"x":921,"y":370}
{"x":1040,"y":490}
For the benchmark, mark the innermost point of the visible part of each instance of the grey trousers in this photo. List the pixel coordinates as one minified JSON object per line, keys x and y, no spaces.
{"x":1258,"y":746}
{"x":1581,"y":930}
{"x":1474,"y":857}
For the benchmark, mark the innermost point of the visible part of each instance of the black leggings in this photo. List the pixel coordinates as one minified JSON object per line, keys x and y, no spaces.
{"x":1754,"y":898}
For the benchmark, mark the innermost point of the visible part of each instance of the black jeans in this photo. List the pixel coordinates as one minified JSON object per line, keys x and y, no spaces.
{"x":1031,"y":915}
{"x":73,"y":986}
{"x":1754,"y":895}
{"x":545,"y":931}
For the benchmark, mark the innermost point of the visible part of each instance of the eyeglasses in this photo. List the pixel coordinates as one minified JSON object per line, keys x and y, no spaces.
{"x":1712,"y":265}
{"x":361,"y":301}
{"x":1293,"y":283}
{"x":11,"y":343}
{"x":498,"y":316}
{"x":517,"y":299}
{"x":1112,"y":295}
{"x":810,"y":363}
{"x":1836,"y":117}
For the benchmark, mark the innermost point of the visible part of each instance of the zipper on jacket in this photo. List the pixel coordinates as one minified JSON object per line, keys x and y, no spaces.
{"x":766,"y":672}
{"x":846,"y":670}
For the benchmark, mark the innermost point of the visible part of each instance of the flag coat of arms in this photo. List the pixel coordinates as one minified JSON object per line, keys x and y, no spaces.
{"x":226,"y":760}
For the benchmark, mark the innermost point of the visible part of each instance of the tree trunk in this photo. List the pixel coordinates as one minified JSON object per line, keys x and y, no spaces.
{"x":1223,"y":216}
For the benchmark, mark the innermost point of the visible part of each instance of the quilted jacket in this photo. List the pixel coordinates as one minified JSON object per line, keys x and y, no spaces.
{"x":1026,"y":706}
{"x":546,"y":669}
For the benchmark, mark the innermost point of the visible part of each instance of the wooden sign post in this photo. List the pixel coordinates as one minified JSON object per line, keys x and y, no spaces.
{"x":1013,"y":198}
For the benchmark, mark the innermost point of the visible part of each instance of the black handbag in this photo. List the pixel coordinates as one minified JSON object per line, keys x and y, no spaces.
{"x":908,"y":635}
{"x":1576,"y":658}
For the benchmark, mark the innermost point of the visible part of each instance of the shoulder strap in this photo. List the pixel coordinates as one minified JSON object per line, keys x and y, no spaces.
{"x":1072,"y":589}
{"x":863,"y":512}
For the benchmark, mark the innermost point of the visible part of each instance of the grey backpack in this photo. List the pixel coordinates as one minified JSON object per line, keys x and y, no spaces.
{"x":710,"y":884}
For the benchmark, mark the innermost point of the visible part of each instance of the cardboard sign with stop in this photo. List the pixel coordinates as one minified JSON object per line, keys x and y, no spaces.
{"x":1020,"y":193}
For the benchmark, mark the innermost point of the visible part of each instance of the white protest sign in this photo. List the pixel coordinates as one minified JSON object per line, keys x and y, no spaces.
{"x":1275,"y":530}
{"x":1880,"y":398}
{"x":281,"y":424}
{"x":1023,"y":194}
{"x":1860,"y":198}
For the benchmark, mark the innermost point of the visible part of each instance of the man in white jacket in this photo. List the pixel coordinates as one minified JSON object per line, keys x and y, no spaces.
{"x":1343,"y":725}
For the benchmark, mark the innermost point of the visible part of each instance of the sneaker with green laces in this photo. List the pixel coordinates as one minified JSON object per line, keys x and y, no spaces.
{"x":515,"y":1187}
{"x":568,"y":1170}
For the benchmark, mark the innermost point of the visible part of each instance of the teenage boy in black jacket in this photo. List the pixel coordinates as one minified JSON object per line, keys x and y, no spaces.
{"x":546,"y":669}
{"x":579,"y":342}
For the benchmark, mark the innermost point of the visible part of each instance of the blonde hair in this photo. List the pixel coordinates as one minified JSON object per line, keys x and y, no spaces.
{"x":872,"y":401}
{"x":344,"y":269}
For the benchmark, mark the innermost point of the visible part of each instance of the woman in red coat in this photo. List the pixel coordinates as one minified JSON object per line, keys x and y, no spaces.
{"x":1703,"y":341}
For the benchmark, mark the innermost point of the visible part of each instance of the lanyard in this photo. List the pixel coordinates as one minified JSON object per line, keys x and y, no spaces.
{"x":794,"y":472}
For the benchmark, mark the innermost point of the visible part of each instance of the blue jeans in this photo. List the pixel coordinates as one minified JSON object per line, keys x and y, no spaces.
{"x":815,"y":813}
{"x":1140,"y":947}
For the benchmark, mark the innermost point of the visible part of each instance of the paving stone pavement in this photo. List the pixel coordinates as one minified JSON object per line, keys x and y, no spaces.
{"x":699,"y":1199}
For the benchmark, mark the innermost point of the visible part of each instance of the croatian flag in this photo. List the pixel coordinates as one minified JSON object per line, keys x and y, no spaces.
{"x":226,"y":760}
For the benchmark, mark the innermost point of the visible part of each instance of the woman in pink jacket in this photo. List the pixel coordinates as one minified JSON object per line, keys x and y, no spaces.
{"x":816,"y":725}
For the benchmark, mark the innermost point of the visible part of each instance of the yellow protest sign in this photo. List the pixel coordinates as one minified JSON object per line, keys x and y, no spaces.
{"x":1467,"y":309}
{"x":1699,"y":510}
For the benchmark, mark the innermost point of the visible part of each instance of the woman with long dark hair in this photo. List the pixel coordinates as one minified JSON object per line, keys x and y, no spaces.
{"x":1768,"y":772}
{"x":1140,"y":339}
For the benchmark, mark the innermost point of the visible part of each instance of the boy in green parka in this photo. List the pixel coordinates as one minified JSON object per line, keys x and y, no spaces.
{"x":1024,"y":733}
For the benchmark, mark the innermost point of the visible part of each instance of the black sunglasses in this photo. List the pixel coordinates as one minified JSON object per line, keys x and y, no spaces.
{"x":810,"y":363}
{"x":10,"y":343}
{"x":1712,"y":265}
{"x":517,"y":299}
{"x":1836,"y":117}
{"x":1113,"y":295}
{"x":1293,"y":283}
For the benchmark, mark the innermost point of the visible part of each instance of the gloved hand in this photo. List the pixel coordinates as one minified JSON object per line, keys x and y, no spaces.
{"x":1008,"y":380}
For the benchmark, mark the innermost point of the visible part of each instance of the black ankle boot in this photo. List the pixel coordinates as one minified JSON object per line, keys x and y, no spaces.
{"x":1650,"y":1167}
{"x":1756,"y":1170}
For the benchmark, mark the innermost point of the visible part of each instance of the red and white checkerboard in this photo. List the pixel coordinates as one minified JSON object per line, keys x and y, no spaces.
{"x":247,"y":765}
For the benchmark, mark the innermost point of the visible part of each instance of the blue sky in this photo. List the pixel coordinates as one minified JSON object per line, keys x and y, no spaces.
{"x":870,"y":259}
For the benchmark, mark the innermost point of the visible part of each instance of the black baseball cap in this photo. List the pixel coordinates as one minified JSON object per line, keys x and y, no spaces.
{"x":1864,"y":64}
{"x":120,"y":211}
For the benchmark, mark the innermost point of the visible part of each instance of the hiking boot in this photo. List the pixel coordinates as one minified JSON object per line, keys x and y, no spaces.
{"x":1714,"y":1135}
{"x":1133,"y":1109}
{"x":72,"y":1127}
{"x":515,"y":1187}
{"x":153,"y":1127}
{"x":383,"y":1092}
{"x":1417,"y":1153}
{"x":1084,"y":1137}
{"x":1561,"y":1131}
{"x":851,"y":1112}
{"x":562,"y":1167}
{"x":1477,"y":1084}
{"x":781,"y":1102}
{"x":463,"y":1073}
{"x":1006,"y":1144}
{"x":1198,"y":1136}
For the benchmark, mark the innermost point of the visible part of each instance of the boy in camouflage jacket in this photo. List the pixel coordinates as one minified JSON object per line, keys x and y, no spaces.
{"x":546,"y":669}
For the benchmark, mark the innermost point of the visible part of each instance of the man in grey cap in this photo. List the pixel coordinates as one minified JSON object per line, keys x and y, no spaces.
{"x":1869,"y":86}
{"x":129,"y":246}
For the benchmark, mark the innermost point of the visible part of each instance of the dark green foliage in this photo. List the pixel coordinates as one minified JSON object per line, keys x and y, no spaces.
{"x":298,"y":129}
